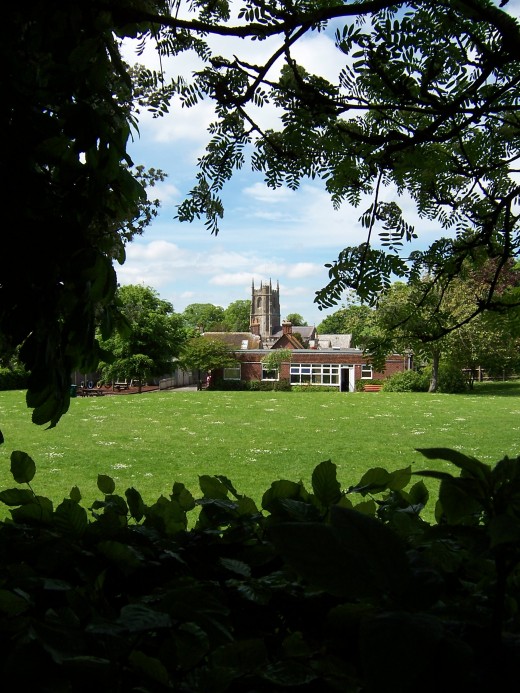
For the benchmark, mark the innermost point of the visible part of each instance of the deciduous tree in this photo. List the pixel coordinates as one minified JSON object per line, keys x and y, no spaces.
{"x":204,"y":317}
{"x":427,"y":102}
{"x":205,"y":355}
{"x":151,"y":339}
{"x":237,"y":316}
{"x":296,"y":319}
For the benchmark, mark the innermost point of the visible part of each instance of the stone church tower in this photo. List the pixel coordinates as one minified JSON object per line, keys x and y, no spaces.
{"x":265,"y":310}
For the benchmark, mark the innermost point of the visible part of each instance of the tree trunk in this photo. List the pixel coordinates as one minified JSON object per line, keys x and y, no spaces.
{"x":434,"y":382}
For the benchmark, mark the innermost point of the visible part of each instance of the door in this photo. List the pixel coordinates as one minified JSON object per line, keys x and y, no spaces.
{"x":345,"y":380}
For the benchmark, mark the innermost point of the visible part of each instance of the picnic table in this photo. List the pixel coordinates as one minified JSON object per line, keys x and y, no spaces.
{"x":91,"y":392}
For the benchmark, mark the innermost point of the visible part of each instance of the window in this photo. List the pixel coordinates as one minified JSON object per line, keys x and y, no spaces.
{"x":269,"y":373}
{"x":315,"y":374}
{"x":232,"y":373}
{"x":366,"y":370}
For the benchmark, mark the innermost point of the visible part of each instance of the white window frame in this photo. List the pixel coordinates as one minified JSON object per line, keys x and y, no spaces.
{"x":268,"y":373}
{"x":366,"y":371}
{"x":322,"y":374}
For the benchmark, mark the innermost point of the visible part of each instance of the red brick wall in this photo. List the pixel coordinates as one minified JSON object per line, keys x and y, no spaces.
{"x":252,"y":366}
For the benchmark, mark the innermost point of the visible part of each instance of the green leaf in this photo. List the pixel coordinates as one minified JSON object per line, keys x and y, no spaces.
{"x":471,"y":465}
{"x":325,"y":484}
{"x":124,"y":556}
{"x":17,"y":496}
{"x":23,"y":467}
{"x":137,"y":618}
{"x":183,"y":497}
{"x":75,"y":494}
{"x":70,"y":518}
{"x":375,"y":480}
{"x":212,"y":487}
{"x":280,"y":489}
{"x":356,"y":557}
{"x":459,"y":503}
{"x":135,"y":504}
{"x":39,"y":512}
{"x":106,"y":484}
{"x":399,"y":479}
{"x":167,"y":516}
{"x":152,"y":667}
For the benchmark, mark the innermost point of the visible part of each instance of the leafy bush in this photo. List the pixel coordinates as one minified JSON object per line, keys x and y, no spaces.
{"x":282,"y":385}
{"x":407,"y":381}
{"x":13,"y":378}
{"x":314,"y":388}
{"x":451,"y":378}
{"x":360,"y":384}
{"x":316,"y":590}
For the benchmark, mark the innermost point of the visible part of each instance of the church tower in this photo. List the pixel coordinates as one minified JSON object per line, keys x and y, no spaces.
{"x":265,"y":310}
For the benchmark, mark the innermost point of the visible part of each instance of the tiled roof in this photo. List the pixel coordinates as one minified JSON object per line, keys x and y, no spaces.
{"x":334,"y":341}
{"x":236,"y":340}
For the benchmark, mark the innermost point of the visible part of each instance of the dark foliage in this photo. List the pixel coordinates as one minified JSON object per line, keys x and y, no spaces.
{"x":327,"y":589}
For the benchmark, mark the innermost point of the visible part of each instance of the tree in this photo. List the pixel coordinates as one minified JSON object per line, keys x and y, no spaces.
{"x":204,"y":316}
{"x":237,"y":316}
{"x":72,"y":198}
{"x":151,"y":339}
{"x":296,"y":319}
{"x":350,"y":319}
{"x":490,"y":341}
{"x":274,"y":358}
{"x":205,"y":355}
{"x":427,"y":102}
{"x":438,"y":320}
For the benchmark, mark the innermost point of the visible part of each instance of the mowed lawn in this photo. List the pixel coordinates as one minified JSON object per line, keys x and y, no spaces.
{"x":152,"y":440}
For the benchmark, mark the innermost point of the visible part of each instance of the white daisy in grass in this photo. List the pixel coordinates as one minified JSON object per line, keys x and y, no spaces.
{"x":106,"y":442}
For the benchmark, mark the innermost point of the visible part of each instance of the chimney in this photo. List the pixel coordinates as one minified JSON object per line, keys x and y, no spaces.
{"x":255,"y":328}
{"x":286,"y":327}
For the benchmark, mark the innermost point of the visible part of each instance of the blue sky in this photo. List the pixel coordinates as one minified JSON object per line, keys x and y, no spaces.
{"x":277,"y":235}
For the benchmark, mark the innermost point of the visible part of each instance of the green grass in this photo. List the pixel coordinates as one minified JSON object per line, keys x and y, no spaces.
{"x":152,"y":440}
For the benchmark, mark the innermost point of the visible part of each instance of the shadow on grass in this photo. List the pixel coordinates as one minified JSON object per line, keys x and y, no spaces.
{"x":497,"y":388}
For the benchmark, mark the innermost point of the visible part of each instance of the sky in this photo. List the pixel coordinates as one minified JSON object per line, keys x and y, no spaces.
{"x":281,"y":235}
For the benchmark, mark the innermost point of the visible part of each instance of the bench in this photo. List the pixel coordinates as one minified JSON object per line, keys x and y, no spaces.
{"x":372,"y":388}
{"x":92,"y":392}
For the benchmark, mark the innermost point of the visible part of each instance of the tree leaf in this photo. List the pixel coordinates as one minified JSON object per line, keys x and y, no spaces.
{"x":23,"y":467}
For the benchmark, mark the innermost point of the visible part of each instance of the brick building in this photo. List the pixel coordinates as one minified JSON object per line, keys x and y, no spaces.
{"x":327,"y":360}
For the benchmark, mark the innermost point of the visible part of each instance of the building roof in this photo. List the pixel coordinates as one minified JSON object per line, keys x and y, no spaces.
{"x":288,"y":341}
{"x":334,"y":341}
{"x":236,"y":340}
{"x":307,"y":332}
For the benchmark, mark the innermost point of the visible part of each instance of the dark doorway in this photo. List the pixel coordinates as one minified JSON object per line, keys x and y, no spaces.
{"x":345,"y":378}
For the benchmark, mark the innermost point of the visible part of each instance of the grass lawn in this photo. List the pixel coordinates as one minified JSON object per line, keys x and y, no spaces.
{"x":152,"y":440}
